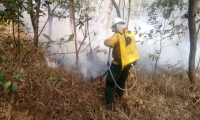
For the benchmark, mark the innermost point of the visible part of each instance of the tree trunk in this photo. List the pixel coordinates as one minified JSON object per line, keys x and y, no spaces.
{"x":50,"y":22}
{"x":74,"y":29}
{"x":124,"y":9}
{"x":36,"y":27}
{"x":199,"y":56}
{"x":117,"y":8}
{"x":193,"y":39}
{"x":129,"y":12}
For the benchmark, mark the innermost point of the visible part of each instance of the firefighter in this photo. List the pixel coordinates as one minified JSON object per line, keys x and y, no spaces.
{"x":124,"y":54}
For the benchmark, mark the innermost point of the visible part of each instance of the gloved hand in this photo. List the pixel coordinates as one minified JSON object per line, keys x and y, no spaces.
{"x":106,"y":44}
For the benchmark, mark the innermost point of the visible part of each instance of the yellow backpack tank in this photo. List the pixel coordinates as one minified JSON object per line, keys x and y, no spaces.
{"x":128,"y":49}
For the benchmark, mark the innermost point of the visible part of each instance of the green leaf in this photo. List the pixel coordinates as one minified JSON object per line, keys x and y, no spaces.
{"x":18,"y":76}
{"x":42,"y":103}
{"x":46,"y":36}
{"x":3,"y":57}
{"x":181,"y":77}
{"x":47,"y":45}
{"x":159,"y":26}
{"x":88,"y":19}
{"x":175,"y":75}
{"x":1,"y":79}
{"x":21,"y":15}
{"x":52,"y":78}
{"x":166,"y":14}
{"x":71,"y":37}
{"x":40,"y":11}
{"x":63,"y":79}
{"x":48,"y":2}
{"x":7,"y":5}
{"x":6,"y":86}
{"x":1,"y":83}
{"x":22,"y":24}
{"x":37,"y":68}
{"x":44,"y":5}
{"x":15,"y":88}
{"x":4,"y":23}
{"x":61,"y":40}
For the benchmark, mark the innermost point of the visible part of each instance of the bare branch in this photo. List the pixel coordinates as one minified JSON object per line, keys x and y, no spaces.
{"x":47,"y":20}
{"x":117,"y":8}
{"x":129,"y":11}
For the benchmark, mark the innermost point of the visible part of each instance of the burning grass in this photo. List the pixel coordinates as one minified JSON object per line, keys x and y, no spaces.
{"x":55,"y":94}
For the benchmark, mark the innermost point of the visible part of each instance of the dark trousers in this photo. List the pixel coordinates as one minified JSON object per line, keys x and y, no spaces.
{"x":120,"y":77}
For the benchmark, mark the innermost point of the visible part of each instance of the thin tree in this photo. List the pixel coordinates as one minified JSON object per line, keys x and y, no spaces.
{"x":129,"y":12}
{"x":199,"y":56}
{"x":192,"y":11}
{"x":168,"y":7}
{"x":74,"y":29}
{"x":34,"y":11}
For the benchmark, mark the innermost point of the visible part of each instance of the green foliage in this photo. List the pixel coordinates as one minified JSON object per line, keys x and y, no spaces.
{"x":166,"y":14}
{"x":198,"y":9}
{"x":18,"y":76}
{"x":83,"y":19}
{"x":13,"y":10}
{"x":84,"y":12}
{"x":2,"y":57}
{"x":180,"y":76}
{"x":6,"y":86}
{"x":63,"y":79}
{"x":167,"y":27}
{"x":42,"y":103}
{"x":59,"y":42}
{"x":153,"y":57}
{"x":2,"y":80}
{"x":47,"y":45}
{"x":52,"y":78}
{"x":166,"y":6}
{"x":46,"y":3}
{"x":57,"y":77}
{"x":38,"y":69}
{"x":71,"y":37}
{"x":15,"y":88}
{"x":49,"y":41}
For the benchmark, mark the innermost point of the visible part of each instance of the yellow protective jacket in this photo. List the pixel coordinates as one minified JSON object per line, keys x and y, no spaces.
{"x":124,"y":50}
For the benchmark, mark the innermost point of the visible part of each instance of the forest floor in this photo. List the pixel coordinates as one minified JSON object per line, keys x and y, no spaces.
{"x":55,"y":94}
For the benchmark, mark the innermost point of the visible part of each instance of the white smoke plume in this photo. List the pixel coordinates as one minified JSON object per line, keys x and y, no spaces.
{"x":94,"y":64}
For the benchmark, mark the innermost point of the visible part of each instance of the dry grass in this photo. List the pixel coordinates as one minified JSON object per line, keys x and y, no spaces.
{"x":46,"y":93}
{"x":55,"y":94}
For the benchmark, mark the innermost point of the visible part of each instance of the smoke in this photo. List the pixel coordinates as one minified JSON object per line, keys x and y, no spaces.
{"x":93,"y":59}
{"x":1,"y":7}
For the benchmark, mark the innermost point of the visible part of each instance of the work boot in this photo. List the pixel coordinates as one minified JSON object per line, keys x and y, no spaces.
{"x":108,"y":105}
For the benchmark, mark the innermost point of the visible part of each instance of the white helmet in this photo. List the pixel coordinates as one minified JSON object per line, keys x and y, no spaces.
{"x":117,"y":20}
